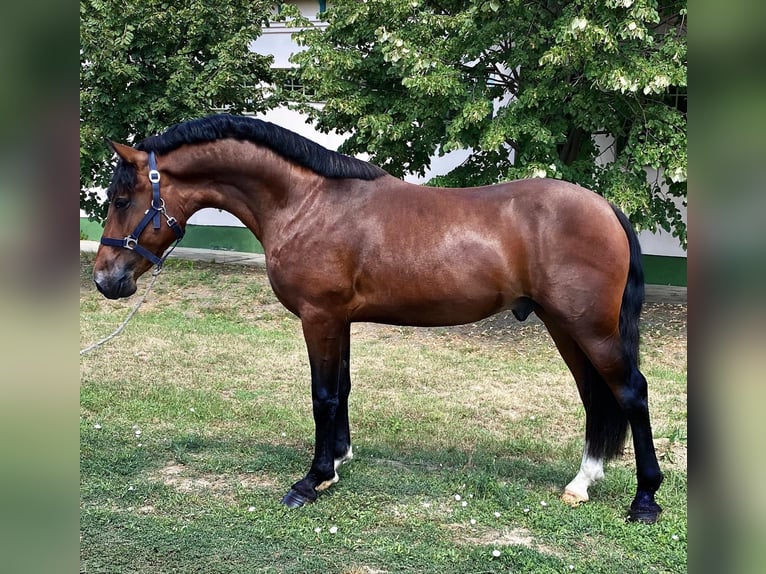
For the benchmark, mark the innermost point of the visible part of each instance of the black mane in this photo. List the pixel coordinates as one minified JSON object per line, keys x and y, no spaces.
{"x":281,"y":141}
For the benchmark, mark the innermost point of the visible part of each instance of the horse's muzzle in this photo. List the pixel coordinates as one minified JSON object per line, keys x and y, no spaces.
{"x":123,"y":286}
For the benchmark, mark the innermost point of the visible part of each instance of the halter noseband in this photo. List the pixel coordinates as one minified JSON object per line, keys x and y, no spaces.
{"x":152,"y":214}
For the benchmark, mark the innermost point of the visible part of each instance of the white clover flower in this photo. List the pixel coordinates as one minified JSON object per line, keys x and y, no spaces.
{"x":543,"y":503}
{"x":464,"y":504}
{"x":333,"y":529}
{"x":495,"y":553}
{"x":497,"y":514}
{"x":457,"y":497}
{"x":472,"y":521}
{"x":526,"y":511}
{"x":318,"y":529}
{"x":251,"y":509}
{"x":97,"y":426}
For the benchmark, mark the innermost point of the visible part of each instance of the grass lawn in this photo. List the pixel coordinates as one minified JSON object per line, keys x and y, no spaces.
{"x":197,"y":419}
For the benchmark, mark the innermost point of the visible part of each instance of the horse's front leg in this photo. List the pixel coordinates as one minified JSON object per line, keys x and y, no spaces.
{"x":325,"y":339}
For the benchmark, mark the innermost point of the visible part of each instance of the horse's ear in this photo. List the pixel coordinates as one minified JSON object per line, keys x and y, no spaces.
{"x":129,"y":154}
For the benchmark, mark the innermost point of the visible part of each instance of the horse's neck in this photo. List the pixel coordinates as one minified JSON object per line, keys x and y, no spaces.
{"x":249,"y":181}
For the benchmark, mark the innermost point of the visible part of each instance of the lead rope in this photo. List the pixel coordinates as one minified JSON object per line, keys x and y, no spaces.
{"x":118,"y":330}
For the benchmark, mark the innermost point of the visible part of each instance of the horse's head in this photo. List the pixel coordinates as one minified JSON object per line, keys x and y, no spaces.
{"x":139,"y":224}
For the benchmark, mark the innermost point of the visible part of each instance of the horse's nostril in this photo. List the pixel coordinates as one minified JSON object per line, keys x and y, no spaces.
{"x":111,"y":288}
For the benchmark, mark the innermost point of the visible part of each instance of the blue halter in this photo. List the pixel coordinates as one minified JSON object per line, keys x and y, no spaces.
{"x":152,"y":214}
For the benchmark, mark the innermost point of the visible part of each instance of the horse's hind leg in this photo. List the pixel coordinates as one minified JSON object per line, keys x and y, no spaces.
{"x":629,"y":388}
{"x":633,"y":398}
{"x":586,"y":377}
{"x":614,"y":395}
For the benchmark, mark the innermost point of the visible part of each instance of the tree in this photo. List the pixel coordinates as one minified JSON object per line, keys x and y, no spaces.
{"x":531,"y":87}
{"x":145,"y":65}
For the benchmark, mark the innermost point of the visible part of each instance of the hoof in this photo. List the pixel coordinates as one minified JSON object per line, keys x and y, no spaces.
{"x":571,"y":499}
{"x":644,"y":513}
{"x":643,"y":508}
{"x":294,"y":499}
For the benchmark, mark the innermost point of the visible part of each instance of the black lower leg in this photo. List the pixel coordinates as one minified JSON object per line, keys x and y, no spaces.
{"x":322,"y":471}
{"x":342,"y":428}
{"x":648,"y":474}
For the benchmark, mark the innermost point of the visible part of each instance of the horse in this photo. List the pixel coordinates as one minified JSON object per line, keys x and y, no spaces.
{"x":345,"y":242}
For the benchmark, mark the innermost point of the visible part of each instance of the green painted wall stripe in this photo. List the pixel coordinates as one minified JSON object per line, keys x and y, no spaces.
{"x":662,"y":270}
{"x":658,"y":270}
{"x":223,"y":238}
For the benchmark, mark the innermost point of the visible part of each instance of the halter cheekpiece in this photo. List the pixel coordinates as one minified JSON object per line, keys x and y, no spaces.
{"x":152,"y":214}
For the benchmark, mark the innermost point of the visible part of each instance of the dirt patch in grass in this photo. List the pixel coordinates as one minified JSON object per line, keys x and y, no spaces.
{"x":181,"y":478}
{"x":363,"y":570}
{"x":493,"y":537}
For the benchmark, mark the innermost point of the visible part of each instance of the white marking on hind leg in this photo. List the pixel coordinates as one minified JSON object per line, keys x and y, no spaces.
{"x":591,"y":470}
{"x":338,"y":461}
{"x":328,"y":483}
{"x":345,"y":458}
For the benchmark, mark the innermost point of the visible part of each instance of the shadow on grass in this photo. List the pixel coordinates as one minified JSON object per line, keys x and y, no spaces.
{"x":376,"y":468}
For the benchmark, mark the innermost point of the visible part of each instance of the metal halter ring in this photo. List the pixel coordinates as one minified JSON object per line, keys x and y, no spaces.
{"x":160,"y":207}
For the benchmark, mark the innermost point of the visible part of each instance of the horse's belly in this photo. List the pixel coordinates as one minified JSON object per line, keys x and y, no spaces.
{"x":432,"y":309}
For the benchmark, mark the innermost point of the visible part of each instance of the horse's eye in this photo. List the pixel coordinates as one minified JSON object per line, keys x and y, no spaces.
{"x":121,"y":202}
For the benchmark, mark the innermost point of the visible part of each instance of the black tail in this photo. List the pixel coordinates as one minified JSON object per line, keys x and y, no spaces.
{"x":606,"y":425}
{"x":632,"y":297}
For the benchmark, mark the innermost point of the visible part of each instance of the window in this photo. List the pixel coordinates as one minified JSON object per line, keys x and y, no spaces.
{"x":289,"y":80}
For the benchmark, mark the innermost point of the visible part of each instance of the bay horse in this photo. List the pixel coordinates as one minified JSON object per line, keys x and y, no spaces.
{"x":345,"y":241}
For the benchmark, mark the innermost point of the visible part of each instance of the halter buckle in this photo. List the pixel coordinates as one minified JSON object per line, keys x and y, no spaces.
{"x":130,"y":242}
{"x":154,"y":176}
